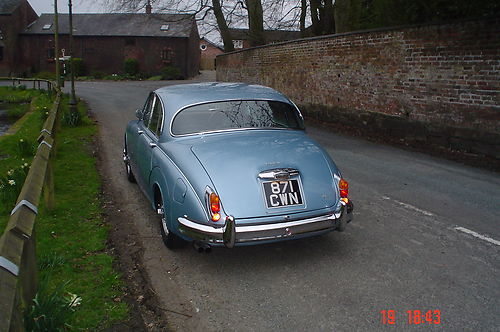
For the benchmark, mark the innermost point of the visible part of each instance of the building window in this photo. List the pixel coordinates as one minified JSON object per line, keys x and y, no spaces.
{"x":238,"y":43}
{"x":167,"y":55}
{"x":47,"y":26}
{"x":51,"y":54}
{"x":1,"y":53}
{"x":203,"y":47}
{"x":164,"y":27}
{"x":130,"y":41}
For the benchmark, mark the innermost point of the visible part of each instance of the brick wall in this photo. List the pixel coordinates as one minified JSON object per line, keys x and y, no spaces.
{"x":208,"y":55}
{"x":436,"y":84}
{"x":106,"y":54}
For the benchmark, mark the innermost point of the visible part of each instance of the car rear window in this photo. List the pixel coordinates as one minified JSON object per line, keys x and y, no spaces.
{"x":239,"y":114}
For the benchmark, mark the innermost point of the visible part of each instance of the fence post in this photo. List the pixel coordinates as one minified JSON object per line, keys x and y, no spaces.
{"x":48,"y":186}
{"x":28,"y":272}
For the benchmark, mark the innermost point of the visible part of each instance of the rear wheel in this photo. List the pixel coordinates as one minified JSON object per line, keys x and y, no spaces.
{"x":171,"y":240}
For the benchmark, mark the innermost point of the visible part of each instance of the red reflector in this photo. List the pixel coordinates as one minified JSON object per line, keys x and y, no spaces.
{"x":344,"y":188}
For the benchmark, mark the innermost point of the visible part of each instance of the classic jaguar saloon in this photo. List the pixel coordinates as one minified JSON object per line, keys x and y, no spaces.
{"x":229,"y":164}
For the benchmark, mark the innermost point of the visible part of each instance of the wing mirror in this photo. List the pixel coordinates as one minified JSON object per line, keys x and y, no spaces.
{"x":138,"y":114}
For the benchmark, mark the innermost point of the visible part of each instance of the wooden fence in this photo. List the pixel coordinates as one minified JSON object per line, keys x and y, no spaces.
{"x":18,"y":269}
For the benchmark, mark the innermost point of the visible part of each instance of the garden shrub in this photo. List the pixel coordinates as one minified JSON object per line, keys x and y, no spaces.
{"x":46,"y":75}
{"x":171,"y":73}
{"x":97,"y":74}
{"x":79,"y":66}
{"x":131,"y":67}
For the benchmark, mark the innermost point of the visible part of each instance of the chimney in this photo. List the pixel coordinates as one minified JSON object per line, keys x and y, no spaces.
{"x":148,"y":7}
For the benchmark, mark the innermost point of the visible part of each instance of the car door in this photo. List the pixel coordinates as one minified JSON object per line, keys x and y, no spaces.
{"x":135,"y":133}
{"x":148,"y":140}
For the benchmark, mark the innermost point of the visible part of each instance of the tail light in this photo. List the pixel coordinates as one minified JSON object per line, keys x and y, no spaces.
{"x":344,"y":190}
{"x":213,"y":204}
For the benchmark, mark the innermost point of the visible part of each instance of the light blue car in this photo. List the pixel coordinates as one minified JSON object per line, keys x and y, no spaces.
{"x":229,"y":164}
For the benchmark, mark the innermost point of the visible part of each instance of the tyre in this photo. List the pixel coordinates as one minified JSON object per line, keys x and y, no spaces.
{"x":171,"y":240}
{"x":128,"y":169}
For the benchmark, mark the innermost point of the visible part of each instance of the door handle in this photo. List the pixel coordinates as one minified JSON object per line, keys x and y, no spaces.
{"x":152,"y":145}
{"x":140,"y":132}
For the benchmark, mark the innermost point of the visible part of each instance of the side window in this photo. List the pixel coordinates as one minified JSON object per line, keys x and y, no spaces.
{"x":156,"y":118}
{"x":146,"y":113}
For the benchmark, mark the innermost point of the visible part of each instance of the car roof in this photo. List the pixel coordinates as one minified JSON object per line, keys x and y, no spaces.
{"x":176,"y":97}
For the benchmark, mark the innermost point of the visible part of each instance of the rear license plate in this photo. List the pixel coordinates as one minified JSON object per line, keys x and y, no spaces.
{"x":282,"y":193}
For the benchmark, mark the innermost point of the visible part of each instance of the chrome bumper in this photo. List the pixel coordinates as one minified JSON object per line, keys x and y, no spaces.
{"x":231,"y":234}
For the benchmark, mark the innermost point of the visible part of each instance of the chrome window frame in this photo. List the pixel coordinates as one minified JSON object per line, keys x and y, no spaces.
{"x":156,"y":97}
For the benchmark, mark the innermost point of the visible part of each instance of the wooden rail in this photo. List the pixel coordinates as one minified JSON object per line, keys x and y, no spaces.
{"x":37,"y":82}
{"x":18,"y":269}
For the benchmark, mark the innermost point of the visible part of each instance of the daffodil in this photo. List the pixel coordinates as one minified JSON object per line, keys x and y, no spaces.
{"x":74,"y":300}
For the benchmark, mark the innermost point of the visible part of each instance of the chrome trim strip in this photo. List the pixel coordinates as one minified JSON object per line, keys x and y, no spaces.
{"x":9,"y":266}
{"x":163,"y":111}
{"x":268,"y":227}
{"x":278,"y":173}
{"x":257,"y":228}
{"x":199,"y":227}
{"x":230,"y":234}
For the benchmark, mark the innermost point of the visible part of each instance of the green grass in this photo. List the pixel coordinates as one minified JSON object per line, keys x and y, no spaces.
{"x":71,"y":239}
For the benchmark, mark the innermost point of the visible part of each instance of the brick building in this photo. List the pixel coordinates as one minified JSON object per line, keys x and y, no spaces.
{"x":209,"y":52}
{"x":15,"y":16}
{"x":104,"y":41}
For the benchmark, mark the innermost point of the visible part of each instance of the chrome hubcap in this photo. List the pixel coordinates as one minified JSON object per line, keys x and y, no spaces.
{"x":163,"y":220}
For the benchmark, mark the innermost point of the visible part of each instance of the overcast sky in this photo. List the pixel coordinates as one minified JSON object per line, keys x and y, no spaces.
{"x":79,"y":6}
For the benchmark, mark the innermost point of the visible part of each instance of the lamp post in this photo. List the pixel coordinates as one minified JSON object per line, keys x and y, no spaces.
{"x":56,"y":45}
{"x":72,"y":99}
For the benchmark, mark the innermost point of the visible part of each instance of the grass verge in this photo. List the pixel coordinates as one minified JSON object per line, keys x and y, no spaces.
{"x":71,"y":239}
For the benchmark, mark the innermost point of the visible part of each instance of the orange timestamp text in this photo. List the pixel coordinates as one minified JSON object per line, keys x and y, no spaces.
{"x":413,"y":317}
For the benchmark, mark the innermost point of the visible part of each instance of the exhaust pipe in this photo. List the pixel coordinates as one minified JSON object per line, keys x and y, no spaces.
{"x":202,"y":247}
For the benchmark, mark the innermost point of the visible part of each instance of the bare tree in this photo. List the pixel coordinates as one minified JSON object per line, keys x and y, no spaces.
{"x":322,"y":17}
{"x":255,"y":22}
{"x":223,"y":28}
{"x":219,"y":15}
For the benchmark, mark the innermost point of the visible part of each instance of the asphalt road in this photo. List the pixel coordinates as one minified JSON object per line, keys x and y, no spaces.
{"x":404,"y":251}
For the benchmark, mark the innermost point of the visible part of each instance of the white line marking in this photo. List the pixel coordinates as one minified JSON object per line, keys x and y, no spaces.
{"x":409,"y":207}
{"x":479,"y":236}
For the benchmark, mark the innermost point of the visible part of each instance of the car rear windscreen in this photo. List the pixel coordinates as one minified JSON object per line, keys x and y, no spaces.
{"x":239,"y":114}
